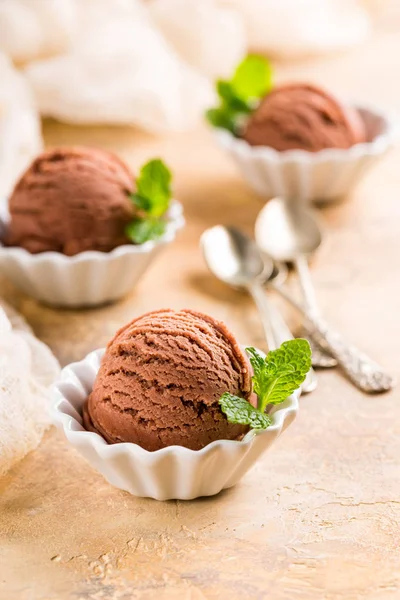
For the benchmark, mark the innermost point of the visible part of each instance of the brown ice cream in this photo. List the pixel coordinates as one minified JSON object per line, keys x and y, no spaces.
{"x":71,"y":200}
{"x":160,"y":381}
{"x":305,"y":117}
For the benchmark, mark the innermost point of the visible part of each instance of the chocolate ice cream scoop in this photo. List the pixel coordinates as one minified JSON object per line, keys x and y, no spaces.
{"x":70,"y":200}
{"x":160,"y":381}
{"x":303,"y":116}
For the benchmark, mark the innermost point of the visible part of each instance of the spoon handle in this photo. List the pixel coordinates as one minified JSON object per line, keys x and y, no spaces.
{"x":321,"y":357}
{"x":306,"y":285}
{"x":265,"y":314}
{"x":366,"y":374}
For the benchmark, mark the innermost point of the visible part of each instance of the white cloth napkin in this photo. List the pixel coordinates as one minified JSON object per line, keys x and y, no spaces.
{"x":20,"y":136}
{"x":211,"y":38}
{"x":31,"y":29}
{"x":120,"y":70}
{"x":27,"y":369}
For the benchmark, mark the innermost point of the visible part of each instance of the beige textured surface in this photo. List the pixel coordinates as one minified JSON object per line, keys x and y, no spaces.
{"x":319,"y":516}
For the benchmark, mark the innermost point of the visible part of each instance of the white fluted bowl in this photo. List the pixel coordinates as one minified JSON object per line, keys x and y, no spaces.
{"x":321,"y":177}
{"x":174,"y":472}
{"x":90,"y":278}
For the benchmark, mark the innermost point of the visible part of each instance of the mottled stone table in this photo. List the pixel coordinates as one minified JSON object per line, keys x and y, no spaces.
{"x":319,"y":515}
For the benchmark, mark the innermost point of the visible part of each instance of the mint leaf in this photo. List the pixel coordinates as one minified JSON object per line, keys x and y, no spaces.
{"x":154,"y":185}
{"x":281,"y":372}
{"x":252,"y":78}
{"x":229,"y":97}
{"x":141,"y":202}
{"x":251,"y":81}
{"x":261,"y":378}
{"x":221,"y":118}
{"x":143,"y":230}
{"x":152,"y":200}
{"x":257,"y":362}
{"x":238,"y":410}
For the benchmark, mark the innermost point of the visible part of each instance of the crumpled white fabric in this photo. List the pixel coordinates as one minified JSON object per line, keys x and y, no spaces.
{"x":30,"y":29}
{"x":92,"y":13}
{"x":294,"y":28}
{"x":120,"y":70}
{"x":27,"y":370}
{"x":209,"y":37}
{"x":20,"y":135}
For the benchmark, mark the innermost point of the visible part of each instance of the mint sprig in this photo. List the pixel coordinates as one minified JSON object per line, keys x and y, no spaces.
{"x":275,"y":377}
{"x":238,"y":97}
{"x":152,"y":199}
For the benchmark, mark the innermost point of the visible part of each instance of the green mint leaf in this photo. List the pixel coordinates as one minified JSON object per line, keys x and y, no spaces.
{"x":240,"y":411}
{"x":282,"y":372}
{"x":230,"y":101}
{"x":221,"y":118}
{"x":252,"y":78}
{"x":141,"y":202}
{"x":257,"y":362}
{"x":154,"y":185}
{"x":143,"y":230}
{"x":152,"y":198}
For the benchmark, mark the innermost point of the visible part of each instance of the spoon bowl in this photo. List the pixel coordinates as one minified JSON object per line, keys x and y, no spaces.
{"x":285,"y":230}
{"x":233,"y":257}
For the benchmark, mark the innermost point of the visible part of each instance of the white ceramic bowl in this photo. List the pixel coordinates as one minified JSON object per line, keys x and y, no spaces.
{"x":90,"y":278}
{"x":170,"y":473}
{"x":321,"y":177}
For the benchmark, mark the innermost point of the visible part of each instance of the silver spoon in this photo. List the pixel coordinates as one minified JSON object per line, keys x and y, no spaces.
{"x":288,"y":232}
{"x":235,"y":259}
{"x":320,"y":358}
